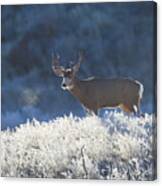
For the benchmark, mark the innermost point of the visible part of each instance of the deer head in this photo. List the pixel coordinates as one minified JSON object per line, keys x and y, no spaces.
{"x":68,"y":74}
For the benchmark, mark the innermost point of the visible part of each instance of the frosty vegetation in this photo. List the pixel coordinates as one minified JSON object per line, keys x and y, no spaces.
{"x":113,"y":147}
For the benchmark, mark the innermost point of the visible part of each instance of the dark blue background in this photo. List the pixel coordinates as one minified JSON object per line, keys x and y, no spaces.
{"x":118,"y":40}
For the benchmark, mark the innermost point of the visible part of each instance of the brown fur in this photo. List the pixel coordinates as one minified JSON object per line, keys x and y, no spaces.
{"x":100,"y":93}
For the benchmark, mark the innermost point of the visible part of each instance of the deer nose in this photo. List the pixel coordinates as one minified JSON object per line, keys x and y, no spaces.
{"x":63,"y":85}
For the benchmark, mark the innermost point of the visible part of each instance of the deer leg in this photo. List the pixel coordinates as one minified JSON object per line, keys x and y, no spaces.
{"x":125,"y":108}
{"x":129,"y":110}
{"x":139,"y":113}
{"x":95,"y":112}
{"x":135,"y":109}
{"x":88,"y":112}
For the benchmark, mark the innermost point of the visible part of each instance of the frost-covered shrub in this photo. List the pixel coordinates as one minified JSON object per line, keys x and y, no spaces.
{"x":113,"y":147}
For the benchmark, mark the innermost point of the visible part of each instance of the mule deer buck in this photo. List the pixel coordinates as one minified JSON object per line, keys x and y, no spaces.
{"x":96,"y":93}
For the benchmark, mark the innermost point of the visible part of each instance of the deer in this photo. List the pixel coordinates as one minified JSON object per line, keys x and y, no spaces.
{"x":96,"y":93}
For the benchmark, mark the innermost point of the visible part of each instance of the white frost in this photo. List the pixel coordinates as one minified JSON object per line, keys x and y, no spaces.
{"x":113,"y":147}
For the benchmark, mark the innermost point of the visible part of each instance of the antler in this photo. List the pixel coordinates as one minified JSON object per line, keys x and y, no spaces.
{"x":58,"y":70}
{"x":80,"y":60}
{"x":55,"y":60}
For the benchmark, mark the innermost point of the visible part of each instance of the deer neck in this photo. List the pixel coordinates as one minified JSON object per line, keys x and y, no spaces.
{"x":77,"y":91}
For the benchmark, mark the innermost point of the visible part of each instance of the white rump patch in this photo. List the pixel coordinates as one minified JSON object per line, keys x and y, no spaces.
{"x":141,"y":89}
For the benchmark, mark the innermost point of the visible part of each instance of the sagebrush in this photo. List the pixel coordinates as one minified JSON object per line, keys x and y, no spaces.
{"x":115,"y":146}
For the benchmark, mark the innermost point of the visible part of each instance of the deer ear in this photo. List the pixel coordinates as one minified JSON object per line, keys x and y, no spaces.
{"x":76,"y":68}
{"x":58,"y":70}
